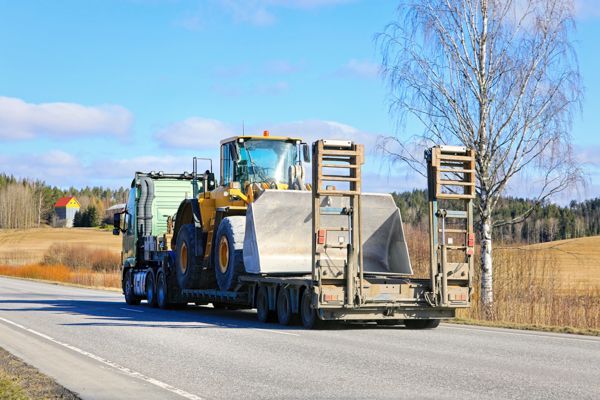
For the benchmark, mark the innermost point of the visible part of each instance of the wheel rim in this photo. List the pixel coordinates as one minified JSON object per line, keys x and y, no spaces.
{"x":223,"y":254}
{"x":183,"y":257}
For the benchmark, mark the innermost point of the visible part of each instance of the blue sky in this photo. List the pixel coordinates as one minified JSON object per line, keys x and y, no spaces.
{"x":91,"y":91}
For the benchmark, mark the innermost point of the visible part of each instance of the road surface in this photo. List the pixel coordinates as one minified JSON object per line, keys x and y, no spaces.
{"x":91,"y":342}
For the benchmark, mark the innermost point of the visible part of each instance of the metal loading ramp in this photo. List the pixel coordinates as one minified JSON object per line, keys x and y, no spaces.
{"x":279,"y":230}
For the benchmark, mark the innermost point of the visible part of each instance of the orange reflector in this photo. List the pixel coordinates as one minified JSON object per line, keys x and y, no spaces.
{"x":471,"y":241}
{"x":266,"y":133}
{"x":321,"y":236}
{"x":330,"y":297}
{"x":470,"y":251}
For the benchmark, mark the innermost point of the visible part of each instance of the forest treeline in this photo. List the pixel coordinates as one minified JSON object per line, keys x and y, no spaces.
{"x":547,"y":221}
{"x":26,"y":203}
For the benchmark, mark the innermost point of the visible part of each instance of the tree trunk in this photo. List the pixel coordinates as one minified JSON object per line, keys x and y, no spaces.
{"x":487,"y":289}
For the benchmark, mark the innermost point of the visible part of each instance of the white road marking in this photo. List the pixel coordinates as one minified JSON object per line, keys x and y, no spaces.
{"x":274,"y":331}
{"x":522,"y":333}
{"x":119,"y":367}
{"x":130,"y":309}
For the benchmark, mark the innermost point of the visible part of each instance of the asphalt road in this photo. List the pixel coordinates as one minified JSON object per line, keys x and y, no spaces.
{"x":91,"y":342}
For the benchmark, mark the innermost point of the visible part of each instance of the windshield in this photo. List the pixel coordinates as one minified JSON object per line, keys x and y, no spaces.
{"x":265,"y":160}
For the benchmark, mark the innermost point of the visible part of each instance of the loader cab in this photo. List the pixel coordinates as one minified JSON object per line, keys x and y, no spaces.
{"x":264,"y":160}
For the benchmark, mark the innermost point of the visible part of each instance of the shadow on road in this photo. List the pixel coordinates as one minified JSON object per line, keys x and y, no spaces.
{"x":111,"y":313}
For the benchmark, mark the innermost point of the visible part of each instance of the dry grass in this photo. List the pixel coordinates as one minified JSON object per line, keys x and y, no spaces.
{"x":82,"y":257}
{"x":28,"y":246}
{"x":62,"y":273}
{"x":555,"y":285}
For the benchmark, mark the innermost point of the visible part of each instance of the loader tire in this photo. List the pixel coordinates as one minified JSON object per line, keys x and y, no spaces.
{"x":187,"y":265}
{"x":421,"y":323}
{"x":228,"y":256}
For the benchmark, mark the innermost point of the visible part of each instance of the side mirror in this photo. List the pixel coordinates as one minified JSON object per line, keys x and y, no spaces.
{"x":305,"y":152}
{"x":117,"y":224}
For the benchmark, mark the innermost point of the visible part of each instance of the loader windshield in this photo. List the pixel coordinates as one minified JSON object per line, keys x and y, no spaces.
{"x":265,"y":161}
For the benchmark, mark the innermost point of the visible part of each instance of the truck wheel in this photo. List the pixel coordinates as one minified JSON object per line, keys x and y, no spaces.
{"x":310,"y":320}
{"x":262,"y":306}
{"x":130,"y":297}
{"x":187,"y":265}
{"x":162,"y":298}
{"x":284,"y":307}
{"x":421,"y":323}
{"x":151,"y":289}
{"x":229,"y":257}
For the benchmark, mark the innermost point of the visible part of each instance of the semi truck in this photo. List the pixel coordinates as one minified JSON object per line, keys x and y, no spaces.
{"x":297,"y":248}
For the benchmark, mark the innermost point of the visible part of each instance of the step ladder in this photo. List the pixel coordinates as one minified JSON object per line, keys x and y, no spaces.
{"x":337,"y":245}
{"x":451,"y":186}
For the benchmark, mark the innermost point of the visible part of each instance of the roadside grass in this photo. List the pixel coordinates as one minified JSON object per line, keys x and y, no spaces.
{"x":20,"y":381}
{"x":63,"y":274}
{"x":549,"y":287}
{"x":10,"y":389}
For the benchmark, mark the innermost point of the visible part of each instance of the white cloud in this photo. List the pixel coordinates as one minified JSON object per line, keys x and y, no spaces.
{"x":360,"y":69}
{"x":195,"y":132}
{"x":22,"y":120}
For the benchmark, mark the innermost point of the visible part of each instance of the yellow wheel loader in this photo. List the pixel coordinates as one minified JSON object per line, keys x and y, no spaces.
{"x":263,"y":237}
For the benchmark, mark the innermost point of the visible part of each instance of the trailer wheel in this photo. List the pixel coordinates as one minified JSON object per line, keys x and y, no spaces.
{"x":421,"y":323}
{"x":151,"y":290}
{"x":262,"y":306}
{"x":130,"y":297}
{"x":162,"y":298}
{"x":284,"y":307}
{"x":228,"y":256}
{"x":310,"y":319}
{"x":187,"y":265}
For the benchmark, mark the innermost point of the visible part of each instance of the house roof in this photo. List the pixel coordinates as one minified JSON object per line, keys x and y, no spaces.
{"x":63,"y":201}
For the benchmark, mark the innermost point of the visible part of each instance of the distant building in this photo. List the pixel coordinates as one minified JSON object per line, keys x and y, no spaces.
{"x":65,"y":209}
{"x":111,"y":211}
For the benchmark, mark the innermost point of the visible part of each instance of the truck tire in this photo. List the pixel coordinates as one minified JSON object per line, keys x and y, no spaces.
{"x":284,"y":307}
{"x":310,"y":319}
{"x":228,"y":255}
{"x":162,"y":295}
{"x":421,"y":323}
{"x":130,"y":297}
{"x":262,"y":306}
{"x":151,"y":289}
{"x":187,"y":266}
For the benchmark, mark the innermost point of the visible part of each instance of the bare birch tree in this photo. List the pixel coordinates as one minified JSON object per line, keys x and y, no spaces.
{"x":499,"y":76}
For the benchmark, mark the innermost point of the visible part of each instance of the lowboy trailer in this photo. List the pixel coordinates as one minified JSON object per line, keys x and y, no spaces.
{"x":263,"y":238}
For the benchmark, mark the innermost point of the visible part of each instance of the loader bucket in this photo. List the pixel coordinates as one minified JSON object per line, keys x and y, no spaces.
{"x":279,"y":230}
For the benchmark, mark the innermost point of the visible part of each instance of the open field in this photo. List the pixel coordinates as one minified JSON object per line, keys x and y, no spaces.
{"x":577,"y":261}
{"x":27,"y":246}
